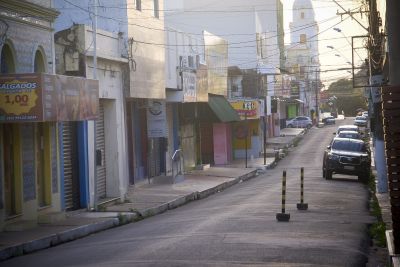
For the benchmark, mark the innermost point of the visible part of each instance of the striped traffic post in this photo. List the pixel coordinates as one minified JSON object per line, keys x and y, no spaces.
{"x":302,"y":205}
{"x":283,"y":217}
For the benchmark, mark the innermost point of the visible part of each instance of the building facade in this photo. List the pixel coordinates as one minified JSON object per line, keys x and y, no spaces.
{"x":30,"y":185}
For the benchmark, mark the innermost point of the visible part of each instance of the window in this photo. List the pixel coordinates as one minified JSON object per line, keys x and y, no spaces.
{"x":156,"y":9}
{"x":139,"y":5}
{"x":302,"y":15}
{"x":303,"y":38}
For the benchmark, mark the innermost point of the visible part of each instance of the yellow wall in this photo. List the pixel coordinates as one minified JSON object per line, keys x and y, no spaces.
{"x":253,"y":126}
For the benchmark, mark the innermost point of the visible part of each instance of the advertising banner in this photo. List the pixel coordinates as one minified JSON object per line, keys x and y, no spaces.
{"x":21,"y":98}
{"x":294,"y":89}
{"x":249,"y":108}
{"x":189,"y":86}
{"x":44,"y":97}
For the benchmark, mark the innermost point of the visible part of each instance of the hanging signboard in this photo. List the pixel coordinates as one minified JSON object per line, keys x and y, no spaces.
{"x":246,"y":108}
{"x":156,"y":119}
{"x":189,"y":86}
{"x":45,"y":97}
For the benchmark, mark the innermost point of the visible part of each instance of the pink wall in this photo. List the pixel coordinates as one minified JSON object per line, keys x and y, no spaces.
{"x":222,"y":143}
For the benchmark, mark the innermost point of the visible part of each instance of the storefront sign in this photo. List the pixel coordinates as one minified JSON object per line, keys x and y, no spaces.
{"x":45,"y":97}
{"x":156,"y":119}
{"x":189,"y":86}
{"x":20,"y":98}
{"x":294,"y":89}
{"x":246,"y":108}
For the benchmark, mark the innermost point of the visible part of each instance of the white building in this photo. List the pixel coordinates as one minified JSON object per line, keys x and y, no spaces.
{"x":252,"y":28}
{"x":303,"y":56}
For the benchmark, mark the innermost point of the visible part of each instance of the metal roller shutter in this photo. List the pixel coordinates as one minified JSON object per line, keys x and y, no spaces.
{"x":101,"y":146}
{"x":71,"y":185}
{"x":155,"y":160}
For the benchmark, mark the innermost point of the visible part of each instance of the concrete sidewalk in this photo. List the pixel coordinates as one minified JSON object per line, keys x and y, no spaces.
{"x":143,"y":200}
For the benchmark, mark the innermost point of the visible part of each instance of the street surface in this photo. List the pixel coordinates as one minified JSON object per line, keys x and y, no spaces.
{"x":238,"y":226}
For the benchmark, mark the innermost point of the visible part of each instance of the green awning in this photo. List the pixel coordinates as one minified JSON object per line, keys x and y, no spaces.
{"x":222,"y":108}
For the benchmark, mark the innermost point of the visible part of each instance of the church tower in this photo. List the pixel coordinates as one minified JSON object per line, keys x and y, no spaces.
{"x":304,"y":28}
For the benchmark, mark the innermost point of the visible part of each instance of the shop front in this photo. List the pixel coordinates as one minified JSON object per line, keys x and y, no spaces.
{"x":34,"y":165}
{"x":248,"y":134}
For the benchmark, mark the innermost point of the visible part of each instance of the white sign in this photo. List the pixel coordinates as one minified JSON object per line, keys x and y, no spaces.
{"x":376,"y":82}
{"x":156,"y":119}
{"x":189,"y":86}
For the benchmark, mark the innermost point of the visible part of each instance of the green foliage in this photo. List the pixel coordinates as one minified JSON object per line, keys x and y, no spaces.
{"x":377,"y":231}
{"x":348,"y":98}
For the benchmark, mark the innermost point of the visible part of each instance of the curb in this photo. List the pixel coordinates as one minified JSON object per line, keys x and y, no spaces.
{"x":56,"y":239}
{"x":122,"y":219}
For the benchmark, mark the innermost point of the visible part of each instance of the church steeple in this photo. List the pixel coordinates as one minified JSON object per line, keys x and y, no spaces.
{"x":304,"y":28}
{"x":303,"y":11}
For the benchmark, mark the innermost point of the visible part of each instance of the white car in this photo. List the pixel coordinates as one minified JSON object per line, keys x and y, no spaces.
{"x":360,"y":121}
{"x":299,"y":122}
{"x":348,"y":127}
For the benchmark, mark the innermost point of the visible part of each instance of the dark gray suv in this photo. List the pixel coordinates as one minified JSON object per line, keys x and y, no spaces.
{"x":347,"y":156}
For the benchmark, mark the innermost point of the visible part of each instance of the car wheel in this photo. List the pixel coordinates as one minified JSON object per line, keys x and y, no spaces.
{"x":328,"y":175}
{"x":364,"y":177}
{"x":323,"y":172}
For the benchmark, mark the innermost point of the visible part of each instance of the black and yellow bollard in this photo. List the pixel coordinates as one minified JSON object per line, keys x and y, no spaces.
{"x":283,"y":217}
{"x":302,"y":205}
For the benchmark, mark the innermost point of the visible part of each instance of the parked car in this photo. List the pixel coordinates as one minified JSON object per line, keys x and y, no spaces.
{"x":329,"y":120}
{"x":349,"y":134}
{"x":347,"y":156}
{"x":360,"y":121}
{"x":347,"y":127}
{"x":299,"y":122}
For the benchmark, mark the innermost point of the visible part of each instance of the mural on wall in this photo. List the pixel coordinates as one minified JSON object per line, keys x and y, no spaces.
{"x":216,"y":51}
{"x":45,"y":97}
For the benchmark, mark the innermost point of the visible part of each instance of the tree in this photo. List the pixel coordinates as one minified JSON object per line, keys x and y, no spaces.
{"x":348,"y":99}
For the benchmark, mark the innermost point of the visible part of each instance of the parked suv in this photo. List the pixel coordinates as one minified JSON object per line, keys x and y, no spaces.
{"x":299,"y":122}
{"x":347,"y":156}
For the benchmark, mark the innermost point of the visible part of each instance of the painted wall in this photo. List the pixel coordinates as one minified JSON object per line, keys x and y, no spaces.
{"x":110,"y":73}
{"x":221,"y":143}
{"x":148,"y":79}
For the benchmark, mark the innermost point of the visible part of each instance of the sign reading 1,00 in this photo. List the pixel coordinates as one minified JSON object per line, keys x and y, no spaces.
{"x":22,"y":100}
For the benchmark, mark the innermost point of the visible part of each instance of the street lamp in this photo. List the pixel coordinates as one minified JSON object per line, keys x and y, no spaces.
{"x":355,"y":50}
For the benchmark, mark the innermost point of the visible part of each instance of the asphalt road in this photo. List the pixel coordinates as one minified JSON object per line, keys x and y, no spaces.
{"x":238,"y":226}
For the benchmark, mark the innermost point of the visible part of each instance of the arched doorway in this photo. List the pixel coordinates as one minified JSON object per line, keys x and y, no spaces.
{"x":39,"y":63}
{"x":7,"y":62}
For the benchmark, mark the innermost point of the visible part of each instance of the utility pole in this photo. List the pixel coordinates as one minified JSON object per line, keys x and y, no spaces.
{"x":316,"y":99}
{"x":94,"y":31}
{"x":376,"y":78}
{"x":392,"y":22}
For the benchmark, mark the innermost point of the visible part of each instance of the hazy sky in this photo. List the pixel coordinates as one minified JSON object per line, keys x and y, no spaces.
{"x":326,"y":17}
